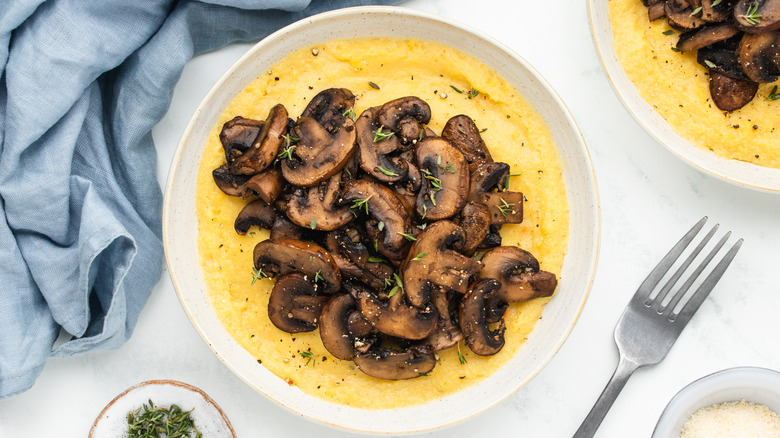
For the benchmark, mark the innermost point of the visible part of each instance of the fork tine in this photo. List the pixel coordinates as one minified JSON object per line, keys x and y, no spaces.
{"x":689,"y":282}
{"x":706,"y":287}
{"x":657,"y":301}
{"x":663,"y":266}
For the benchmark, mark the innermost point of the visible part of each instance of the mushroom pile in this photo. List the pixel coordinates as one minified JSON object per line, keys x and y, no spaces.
{"x":377,"y":226}
{"x":738,"y":41}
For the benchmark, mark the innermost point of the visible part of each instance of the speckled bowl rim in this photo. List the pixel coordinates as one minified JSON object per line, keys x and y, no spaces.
{"x":736,"y":172}
{"x":754,"y":384}
{"x":579,"y":263}
{"x":157,"y":382}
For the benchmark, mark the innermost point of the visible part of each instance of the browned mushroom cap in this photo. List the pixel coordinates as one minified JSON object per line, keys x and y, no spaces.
{"x":283,"y":228}
{"x":445,"y":171}
{"x":375,"y":150}
{"x":265,"y":147}
{"x":730,"y":94}
{"x":705,"y":36}
{"x":278,"y":257}
{"x":713,"y":11}
{"x":232,"y":185}
{"x":504,"y":206}
{"x":434,"y":260}
{"x":238,"y":135}
{"x":318,"y":207}
{"x":387,"y":364}
{"x":475,"y":221}
{"x":328,"y":107}
{"x":722,"y":59}
{"x":268,"y":184}
{"x":447,"y":333}
{"x":395,"y":317}
{"x":387,"y":208}
{"x":757,"y":16}
{"x":463,"y":133}
{"x":759,"y":55}
{"x":405,"y":117}
{"x":294,"y":305}
{"x":473,"y":319}
{"x":681,"y":15}
{"x":518,"y":272}
{"x":354,"y":260}
{"x":319,"y":153}
{"x":257,"y":212}
{"x":334,"y":326}
{"x":656,"y":11}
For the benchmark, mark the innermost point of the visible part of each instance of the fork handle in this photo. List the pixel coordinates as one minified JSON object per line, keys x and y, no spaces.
{"x":592,"y":422}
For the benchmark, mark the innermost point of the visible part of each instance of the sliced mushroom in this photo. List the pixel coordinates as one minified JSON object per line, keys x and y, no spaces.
{"x":759,"y":55}
{"x":279,"y":257}
{"x":230,"y":184}
{"x":257,"y":212}
{"x":265,"y":147}
{"x":318,"y":207}
{"x":319,"y":153}
{"x":723,"y":60}
{"x":267,"y":184}
{"x":375,"y":158}
{"x":730,"y":94}
{"x":447,"y":333}
{"x":385,"y":207}
{"x":463,"y":133}
{"x":238,"y":135}
{"x":395,"y":317}
{"x":705,"y":36}
{"x":475,"y":221}
{"x":681,"y":17}
{"x":282,"y":228}
{"x":757,"y":16}
{"x":329,"y":106}
{"x":334,"y":327}
{"x":354,"y":260}
{"x":294,"y":305}
{"x":656,"y":11}
{"x":445,"y":172}
{"x":405,"y":117}
{"x":518,"y":272}
{"x":474,"y":319}
{"x":714,"y":11}
{"x":504,"y":206}
{"x":387,"y":364}
{"x":434,"y":261}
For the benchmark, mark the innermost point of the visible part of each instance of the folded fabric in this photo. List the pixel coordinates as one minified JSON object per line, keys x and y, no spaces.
{"x":81,"y":86}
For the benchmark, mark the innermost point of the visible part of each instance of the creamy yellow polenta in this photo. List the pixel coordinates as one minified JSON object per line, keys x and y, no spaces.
{"x":678,"y":88}
{"x":515,"y":134}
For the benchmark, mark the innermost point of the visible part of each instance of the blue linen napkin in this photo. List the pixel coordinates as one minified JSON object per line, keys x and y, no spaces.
{"x":82,"y":83}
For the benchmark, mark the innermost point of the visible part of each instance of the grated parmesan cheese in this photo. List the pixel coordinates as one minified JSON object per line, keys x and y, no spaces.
{"x":736,"y":419}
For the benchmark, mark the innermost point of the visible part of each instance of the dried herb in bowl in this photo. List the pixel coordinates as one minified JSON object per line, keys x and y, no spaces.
{"x":160,"y":422}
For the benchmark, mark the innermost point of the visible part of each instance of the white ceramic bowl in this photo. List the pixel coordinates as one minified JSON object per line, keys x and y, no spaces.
{"x":560,"y":315}
{"x":736,"y":172}
{"x":757,"y":385}
{"x":206,"y":415}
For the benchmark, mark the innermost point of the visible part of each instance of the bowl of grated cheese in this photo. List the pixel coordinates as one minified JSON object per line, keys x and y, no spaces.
{"x":732,"y":403}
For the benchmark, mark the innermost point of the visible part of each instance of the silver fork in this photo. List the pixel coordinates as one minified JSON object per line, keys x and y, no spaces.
{"x":650,"y":324}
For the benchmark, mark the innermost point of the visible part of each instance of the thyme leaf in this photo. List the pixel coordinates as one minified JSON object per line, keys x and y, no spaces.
{"x":257,"y":274}
{"x":773,"y":95}
{"x":380,"y":135}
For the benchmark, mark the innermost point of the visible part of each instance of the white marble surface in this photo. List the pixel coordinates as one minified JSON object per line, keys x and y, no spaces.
{"x":648,"y":199}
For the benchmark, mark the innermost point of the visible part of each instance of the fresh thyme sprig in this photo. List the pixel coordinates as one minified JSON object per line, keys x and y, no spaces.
{"x":357,"y":204}
{"x":152,"y":421}
{"x":398,"y":284}
{"x":387,"y":172}
{"x":751,"y":16}
{"x":461,"y":357}
{"x":773,"y":95}
{"x":257,"y":274}
{"x":505,"y":207}
{"x":310,"y":357}
{"x":380,"y":135}
{"x":351,"y":114}
{"x":435,"y":182}
{"x":408,"y":236}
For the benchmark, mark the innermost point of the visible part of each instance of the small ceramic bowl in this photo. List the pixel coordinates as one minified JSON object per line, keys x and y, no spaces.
{"x":206,"y":414}
{"x":757,"y":385}
{"x":560,"y":314}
